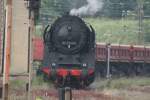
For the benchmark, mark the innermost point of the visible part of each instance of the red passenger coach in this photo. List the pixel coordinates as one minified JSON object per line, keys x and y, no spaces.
{"x":147,"y":54}
{"x":118,"y":53}
{"x":124,"y":59}
{"x":101,"y":52}
{"x":123,"y":53}
{"x":141,"y":54}
{"x":38,"y":49}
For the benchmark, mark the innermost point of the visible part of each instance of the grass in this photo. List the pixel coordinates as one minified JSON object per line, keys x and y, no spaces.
{"x":125,"y":88}
{"x":17,"y":83}
{"x":122,"y":83}
{"x":114,"y":83}
{"x":115,"y":31}
{"x":37,"y":81}
{"x":38,"y":31}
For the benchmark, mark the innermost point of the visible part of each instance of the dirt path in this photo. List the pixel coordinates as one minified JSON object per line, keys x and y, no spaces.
{"x":134,"y":93}
{"x":52,"y":94}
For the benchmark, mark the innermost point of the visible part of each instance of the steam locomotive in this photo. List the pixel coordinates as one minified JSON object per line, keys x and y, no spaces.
{"x":69,"y":52}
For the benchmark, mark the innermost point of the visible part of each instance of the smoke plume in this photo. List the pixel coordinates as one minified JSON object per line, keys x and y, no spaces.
{"x":91,"y":8}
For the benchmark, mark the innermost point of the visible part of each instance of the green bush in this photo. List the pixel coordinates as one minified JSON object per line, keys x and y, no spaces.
{"x":146,"y":30}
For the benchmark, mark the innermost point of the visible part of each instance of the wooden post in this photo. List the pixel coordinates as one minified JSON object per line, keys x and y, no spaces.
{"x":7,"y":48}
{"x":65,"y":93}
{"x":30,"y":60}
{"x":108,"y":61}
{"x":0,"y":92}
{"x":2,"y":25}
{"x":68,"y":93}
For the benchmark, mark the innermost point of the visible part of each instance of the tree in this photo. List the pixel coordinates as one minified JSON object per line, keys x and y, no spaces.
{"x":115,"y":8}
{"x":146,"y":29}
{"x":146,"y":7}
{"x":59,"y":7}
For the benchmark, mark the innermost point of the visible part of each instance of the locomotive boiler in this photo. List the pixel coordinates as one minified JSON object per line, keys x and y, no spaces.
{"x":69,"y":52}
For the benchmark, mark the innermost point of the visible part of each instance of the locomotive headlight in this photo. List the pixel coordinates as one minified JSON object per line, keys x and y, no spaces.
{"x":69,"y":28}
{"x":54,"y":64}
{"x":84,"y":65}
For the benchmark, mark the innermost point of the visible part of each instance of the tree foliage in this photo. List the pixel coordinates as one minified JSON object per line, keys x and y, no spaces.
{"x":118,"y":8}
{"x":111,"y":8}
{"x":59,"y":7}
{"x":146,"y":7}
{"x":146,"y":30}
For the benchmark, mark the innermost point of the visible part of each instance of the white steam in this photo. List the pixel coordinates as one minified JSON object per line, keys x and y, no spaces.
{"x":91,"y":8}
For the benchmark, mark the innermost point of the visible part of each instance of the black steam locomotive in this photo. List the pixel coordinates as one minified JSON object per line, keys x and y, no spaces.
{"x":69,"y":52}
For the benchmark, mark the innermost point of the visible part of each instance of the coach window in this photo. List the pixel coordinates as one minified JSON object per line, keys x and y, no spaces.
{"x":125,"y":52}
{"x":138,"y":53}
{"x":99,"y":50}
{"x":122,"y":53}
{"x":119,"y":52}
{"x":111,"y":51}
{"x":104,"y":51}
{"x":148,"y":53}
{"x":116,"y":52}
{"x":128,"y":52}
{"x":141,"y":53}
{"x":135,"y":53}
